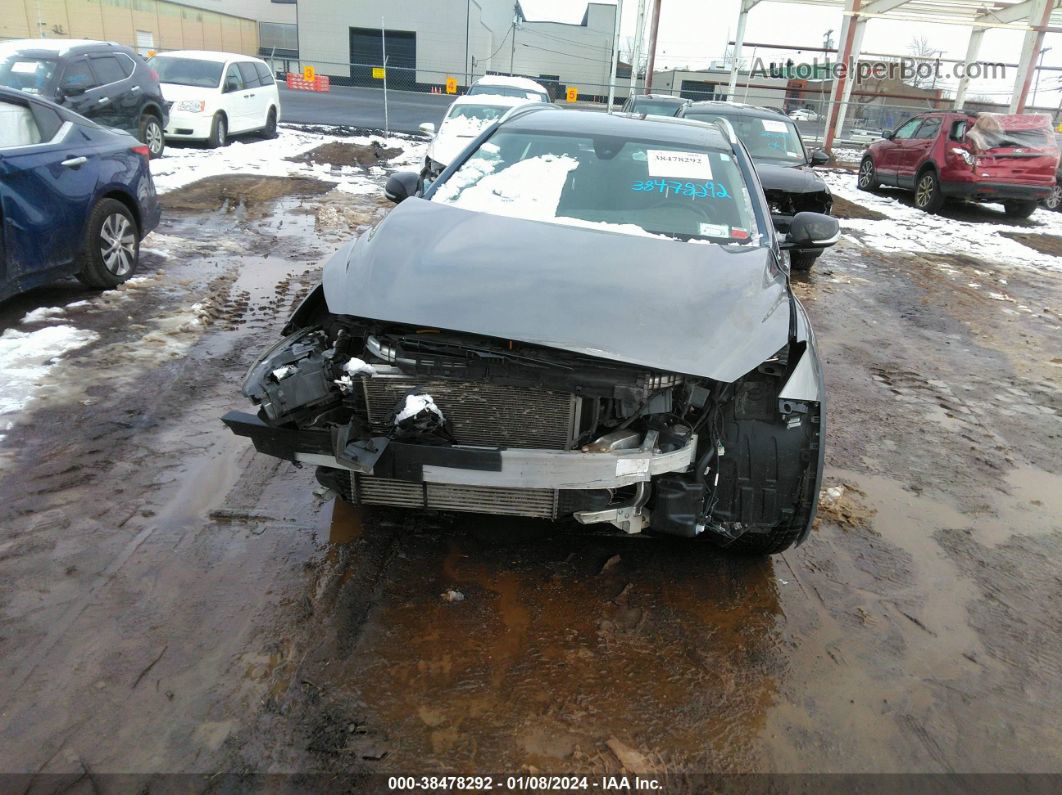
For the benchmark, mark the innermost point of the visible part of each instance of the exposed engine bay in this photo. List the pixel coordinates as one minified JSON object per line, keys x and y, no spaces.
{"x":423,"y":418}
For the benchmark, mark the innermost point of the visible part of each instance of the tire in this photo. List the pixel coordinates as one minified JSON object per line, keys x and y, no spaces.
{"x":270,"y":129}
{"x":927,"y":192}
{"x":1054,"y":201}
{"x":1019,"y":209}
{"x":152,"y":134}
{"x":867,"y":179}
{"x":111,"y":250}
{"x":219,"y":131}
{"x":802,"y":260}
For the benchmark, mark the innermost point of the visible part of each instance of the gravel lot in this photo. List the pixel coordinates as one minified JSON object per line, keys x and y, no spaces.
{"x":170,"y":600}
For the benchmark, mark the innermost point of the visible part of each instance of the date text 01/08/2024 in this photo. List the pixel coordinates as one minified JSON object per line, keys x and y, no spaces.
{"x":524,"y":783}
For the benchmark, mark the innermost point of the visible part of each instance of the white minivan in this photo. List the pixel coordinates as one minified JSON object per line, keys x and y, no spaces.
{"x":217,"y":94}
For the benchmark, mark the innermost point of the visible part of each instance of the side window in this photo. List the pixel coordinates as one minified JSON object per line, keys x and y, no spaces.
{"x":17,"y":126}
{"x":929,"y":129}
{"x":264,"y":75}
{"x":48,"y":121}
{"x":77,"y":77}
{"x":249,"y":74}
{"x":107,"y":70}
{"x":958,"y":130}
{"x":233,"y":79}
{"x":126,"y":63}
{"x":906,"y":130}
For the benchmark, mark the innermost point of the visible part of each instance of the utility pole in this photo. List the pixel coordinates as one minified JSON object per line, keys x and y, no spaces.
{"x":652,"y":47}
{"x":468,"y":10}
{"x":615,"y":55}
{"x":512,"y":53}
{"x":637,"y":47}
{"x":383,"y":52}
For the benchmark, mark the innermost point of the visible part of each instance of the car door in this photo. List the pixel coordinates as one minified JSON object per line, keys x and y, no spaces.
{"x":269,"y":88}
{"x":257,"y":100}
{"x":891,"y":149}
{"x":77,"y":83}
{"x":113,"y":85}
{"x":910,"y":155}
{"x":48,"y":175}
{"x":234,"y":99}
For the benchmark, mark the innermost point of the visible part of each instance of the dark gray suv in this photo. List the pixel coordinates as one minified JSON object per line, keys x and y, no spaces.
{"x":103,"y":81}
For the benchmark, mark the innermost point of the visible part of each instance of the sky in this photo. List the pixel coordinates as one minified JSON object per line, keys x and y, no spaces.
{"x":695,"y":32}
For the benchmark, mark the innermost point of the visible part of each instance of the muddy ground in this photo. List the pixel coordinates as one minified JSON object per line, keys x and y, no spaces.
{"x":171,"y":601}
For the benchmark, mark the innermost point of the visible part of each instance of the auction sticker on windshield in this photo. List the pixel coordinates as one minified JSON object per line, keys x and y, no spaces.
{"x":772,"y":125}
{"x":666,"y":163}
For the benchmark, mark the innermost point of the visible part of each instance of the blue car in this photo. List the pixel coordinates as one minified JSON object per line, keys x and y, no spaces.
{"x":76,"y":199}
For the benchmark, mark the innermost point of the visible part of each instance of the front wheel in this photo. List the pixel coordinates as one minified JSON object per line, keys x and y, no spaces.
{"x":802,"y":260}
{"x":927,"y":193}
{"x":867,"y":179}
{"x":1019,"y":209}
{"x":270,"y":129}
{"x":111,"y":250}
{"x":151,"y":134}
{"x":219,"y":132}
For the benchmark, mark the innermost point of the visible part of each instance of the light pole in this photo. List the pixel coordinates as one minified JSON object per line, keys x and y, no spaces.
{"x":468,"y":11}
{"x":1039,"y":66}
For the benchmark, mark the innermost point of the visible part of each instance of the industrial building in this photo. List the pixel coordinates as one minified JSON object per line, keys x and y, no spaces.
{"x":427,"y":41}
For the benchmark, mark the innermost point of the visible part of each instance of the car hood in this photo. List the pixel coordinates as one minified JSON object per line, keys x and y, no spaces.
{"x":446,"y":146}
{"x":790,"y":179}
{"x":699,"y":309}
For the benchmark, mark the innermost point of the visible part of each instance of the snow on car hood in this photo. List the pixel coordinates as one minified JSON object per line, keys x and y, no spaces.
{"x":175,"y":92}
{"x":699,"y":309}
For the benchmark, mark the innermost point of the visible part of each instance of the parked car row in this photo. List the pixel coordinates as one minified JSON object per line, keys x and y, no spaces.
{"x":185,"y":95}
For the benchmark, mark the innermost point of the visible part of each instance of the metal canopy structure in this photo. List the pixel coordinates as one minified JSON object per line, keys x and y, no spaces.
{"x":1033,"y":17}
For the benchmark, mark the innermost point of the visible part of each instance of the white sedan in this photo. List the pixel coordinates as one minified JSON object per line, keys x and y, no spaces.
{"x":467,"y":117}
{"x":804,"y":114}
{"x":217,"y":94}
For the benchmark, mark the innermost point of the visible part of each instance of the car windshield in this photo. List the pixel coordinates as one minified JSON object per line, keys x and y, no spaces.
{"x":187,"y":71}
{"x":656,"y":107}
{"x":630,"y":186}
{"x":505,"y":91}
{"x":766,"y":139}
{"x":26,"y":73}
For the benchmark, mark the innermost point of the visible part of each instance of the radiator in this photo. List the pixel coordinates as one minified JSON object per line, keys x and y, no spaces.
{"x":368,"y":490}
{"x":481,"y":413}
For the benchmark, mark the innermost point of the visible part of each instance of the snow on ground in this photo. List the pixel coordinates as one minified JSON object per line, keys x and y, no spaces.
{"x":27,"y":356}
{"x":845,"y":154}
{"x":184,"y":164}
{"x":907,"y":229}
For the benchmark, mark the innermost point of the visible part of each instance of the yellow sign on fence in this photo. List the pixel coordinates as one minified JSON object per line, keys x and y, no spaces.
{"x":572,"y":94}
{"x":451,"y":85}
{"x":309,"y":73}
{"x":378,"y":73}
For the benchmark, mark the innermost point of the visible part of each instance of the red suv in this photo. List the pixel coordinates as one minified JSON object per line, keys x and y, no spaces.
{"x":942,"y":154}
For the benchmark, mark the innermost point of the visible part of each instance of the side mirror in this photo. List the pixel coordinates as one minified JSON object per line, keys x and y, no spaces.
{"x":888,"y":134}
{"x":427,"y":128}
{"x":820,"y":157}
{"x":812,"y":230}
{"x":401,"y":185}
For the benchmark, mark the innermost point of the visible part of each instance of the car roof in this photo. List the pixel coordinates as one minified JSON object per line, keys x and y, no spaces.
{"x":735,"y":109}
{"x":666,"y":129}
{"x":209,"y":55}
{"x":492,"y":99}
{"x":658,"y":97}
{"x":14,"y":95}
{"x":515,"y":82}
{"x":56,"y":46}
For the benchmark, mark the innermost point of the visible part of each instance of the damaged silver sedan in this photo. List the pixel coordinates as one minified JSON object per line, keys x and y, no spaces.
{"x":586,"y":317}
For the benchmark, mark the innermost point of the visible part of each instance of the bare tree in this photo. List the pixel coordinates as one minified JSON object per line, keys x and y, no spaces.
{"x":921,"y":52}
